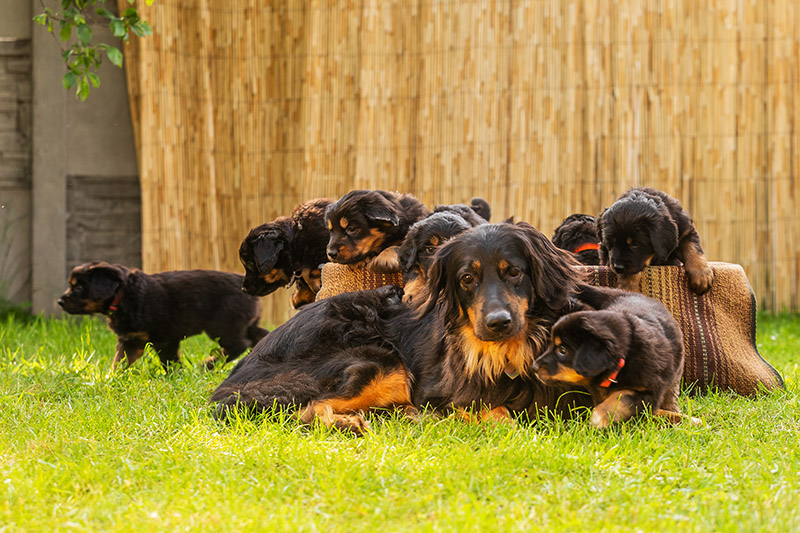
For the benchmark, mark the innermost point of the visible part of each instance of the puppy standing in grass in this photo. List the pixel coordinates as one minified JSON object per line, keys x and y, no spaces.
{"x":165,"y":308}
{"x":648,"y":227}
{"x":628,"y":353}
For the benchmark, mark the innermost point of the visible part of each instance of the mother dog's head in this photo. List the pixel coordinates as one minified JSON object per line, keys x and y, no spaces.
{"x":496,"y":277}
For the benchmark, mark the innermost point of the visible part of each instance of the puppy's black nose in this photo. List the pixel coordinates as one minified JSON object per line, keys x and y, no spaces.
{"x":619,"y":269}
{"x":498,"y":321}
{"x":61,"y":301}
{"x":333,"y":254}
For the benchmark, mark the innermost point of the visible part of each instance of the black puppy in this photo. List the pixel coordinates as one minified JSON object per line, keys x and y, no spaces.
{"x":578,"y":234}
{"x":628,"y":353}
{"x":648,"y":227}
{"x":363,"y":223}
{"x":476,"y":214}
{"x":285,"y":251}
{"x":165,"y":308}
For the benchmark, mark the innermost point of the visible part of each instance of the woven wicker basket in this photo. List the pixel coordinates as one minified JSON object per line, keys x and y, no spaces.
{"x":337,"y":278}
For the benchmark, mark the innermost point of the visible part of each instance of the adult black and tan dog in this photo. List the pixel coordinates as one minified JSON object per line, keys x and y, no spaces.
{"x":628,"y":352}
{"x":493,"y":293}
{"x":165,"y":308}
{"x":287,"y":250}
{"x":578,"y":234}
{"x":363,"y":223}
{"x":648,"y":227}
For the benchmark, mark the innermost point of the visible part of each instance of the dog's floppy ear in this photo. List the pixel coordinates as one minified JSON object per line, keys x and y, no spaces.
{"x":105,"y":280}
{"x":663,"y":233}
{"x":441,"y":284}
{"x":407,"y":254}
{"x":553,"y":276}
{"x":606,"y":342}
{"x":381,"y":210}
{"x":266,"y":249}
{"x":592,"y":359}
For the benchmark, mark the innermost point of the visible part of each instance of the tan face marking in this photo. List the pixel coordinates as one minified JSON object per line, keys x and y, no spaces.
{"x":557,"y":341}
{"x":275,"y":275}
{"x":502,"y":265}
{"x":343,"y":222}
{"x":330,"y":225}
{"x":371,"y":242}
{"x":475,"y":266}
{"x":629,"y":241}
{"x":434,"y":240}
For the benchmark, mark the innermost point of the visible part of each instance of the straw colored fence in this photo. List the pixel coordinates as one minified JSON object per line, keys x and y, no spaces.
{"x":544,"y":107}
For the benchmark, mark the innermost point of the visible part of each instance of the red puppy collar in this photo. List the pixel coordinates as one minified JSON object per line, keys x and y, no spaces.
{"x":586,"y":246}
{"x":612,"y":378}
{"x":115,"y":303}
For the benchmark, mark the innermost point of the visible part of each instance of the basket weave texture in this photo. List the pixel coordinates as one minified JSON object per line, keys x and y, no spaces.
{"x":338,"y":278}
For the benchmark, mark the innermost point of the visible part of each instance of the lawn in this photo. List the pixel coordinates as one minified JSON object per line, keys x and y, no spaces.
{"x":85,"y":449}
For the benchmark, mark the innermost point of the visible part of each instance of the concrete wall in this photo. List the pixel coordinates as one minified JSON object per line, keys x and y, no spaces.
{"x":76,"y":153}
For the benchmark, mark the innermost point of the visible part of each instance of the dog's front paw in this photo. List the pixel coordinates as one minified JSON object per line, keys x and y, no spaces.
{"x":700,"y":280}
{"x":599,"y":419}
{"x":354,"y":423}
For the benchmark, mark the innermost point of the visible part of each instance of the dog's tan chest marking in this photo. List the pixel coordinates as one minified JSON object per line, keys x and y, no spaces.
{"x":492,"y":359}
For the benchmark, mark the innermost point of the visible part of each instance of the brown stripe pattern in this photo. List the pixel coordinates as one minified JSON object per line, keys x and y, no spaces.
{"x":337,"y":278}
{"x":718,"y":327}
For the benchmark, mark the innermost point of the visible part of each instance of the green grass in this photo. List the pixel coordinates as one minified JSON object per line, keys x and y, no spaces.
{"x":85,"y":449}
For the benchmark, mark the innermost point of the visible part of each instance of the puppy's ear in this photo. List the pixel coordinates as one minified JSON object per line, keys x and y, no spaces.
{"x":266,"y":249}
{"x":106,"y":280}
{"x":592,"y":359}
{"x":441,"y":284}
{"x":381,"y":210}
{"x":387,"y":261}
{"x":407,"y":254}
{"x":663,"y":234}
{"x":553,"y":277}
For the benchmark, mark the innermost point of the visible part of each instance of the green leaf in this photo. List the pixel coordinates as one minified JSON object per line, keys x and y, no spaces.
{"x":69,"y":79}
{"x":114,"y":55}
{"x":83,"y":89}
{"x":84,"y":33}
{"x":40,"y":19}
{"x":66,"y":31}
{"x":130,"y":13}
{"x":118,"y":27}
{"x":94,"y":78}
{"x":142,"y":28}
{"x":103,"y":12}
{"x":65,"y":4}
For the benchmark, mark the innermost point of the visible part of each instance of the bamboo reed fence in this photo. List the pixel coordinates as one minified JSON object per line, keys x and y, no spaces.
{"x":543,"y":107}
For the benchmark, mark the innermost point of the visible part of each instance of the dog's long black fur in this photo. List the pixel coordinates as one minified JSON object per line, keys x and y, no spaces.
{"x":493,"y":293}
{"x":164,"y":308}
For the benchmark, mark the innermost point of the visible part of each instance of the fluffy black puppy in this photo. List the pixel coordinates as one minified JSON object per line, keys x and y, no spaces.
{"x":648,"y":227}
{"x":165,"y":308}
{"x":475,"y":214}
{"x":493,"y":293}
{"x":578,"y":234}
{"x":285,"y":251}
{"x":363,"y":223}
{"x":481,"y":206}
{"x":628,"y":353}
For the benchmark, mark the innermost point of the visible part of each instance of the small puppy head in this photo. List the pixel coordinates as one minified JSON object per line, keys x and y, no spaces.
{"x":267,"y":258}
{"x":92,"y":287}
{"x":415,"y":254}
{"x":482,"y":208}
{"x":362,"y":223}
{"x":635,"y":231}
{"x":583,"y":346}
{"x":464,"y":211}
{"x":578,"y":234}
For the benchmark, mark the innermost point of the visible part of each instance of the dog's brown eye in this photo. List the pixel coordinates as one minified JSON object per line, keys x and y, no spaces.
{"x":561,"y":350}
{"x":513,"y":272}
{"x":350,"y":230}
{"x":467,"y":279}
{"x":430,"y":249}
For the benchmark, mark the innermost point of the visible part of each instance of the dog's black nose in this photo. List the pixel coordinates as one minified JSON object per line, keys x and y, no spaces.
{"x":333,"y":254}
{"x":619,"y":269}
{"x":498,"y":321}
{"x":61,"y":301}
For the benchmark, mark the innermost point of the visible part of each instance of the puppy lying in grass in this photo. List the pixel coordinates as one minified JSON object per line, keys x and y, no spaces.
{"x":627,"y":352}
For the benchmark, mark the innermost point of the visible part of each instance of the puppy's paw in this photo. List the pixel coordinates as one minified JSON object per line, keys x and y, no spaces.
{"x":599,"y":420}
{"x":386,"y":262}
{"x":700,"y":279}
{"x":353,"y":423}
{"x":629,"y":283}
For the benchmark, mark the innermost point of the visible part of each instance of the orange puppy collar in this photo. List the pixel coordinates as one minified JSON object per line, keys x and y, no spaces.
{"x":613,"y":377}
{"x":586,"y":246}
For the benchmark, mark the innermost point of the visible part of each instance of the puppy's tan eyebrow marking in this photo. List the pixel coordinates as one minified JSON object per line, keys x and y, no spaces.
{"x":629,"y":240}
{"x":434,"y":241}
{"x":475,"y":265}
{"x":502,"y":265}
{"x":557,"y":341}
{"x":343,"y":222}
{"x":330,"y":224}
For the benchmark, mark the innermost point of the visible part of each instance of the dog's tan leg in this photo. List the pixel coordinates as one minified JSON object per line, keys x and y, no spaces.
{"x":697,"y":270}
{"x":618,"y":407}
{"x":355,"y":423}
{"x":629,"y":283}
{"x":498,"y":414}
{"x":676,"y":418}
{"x":127,"y":350}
